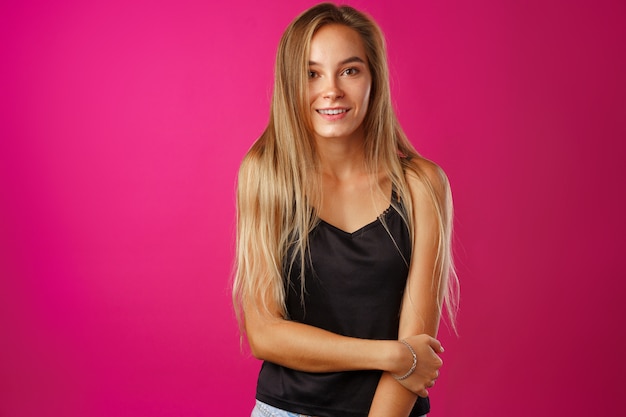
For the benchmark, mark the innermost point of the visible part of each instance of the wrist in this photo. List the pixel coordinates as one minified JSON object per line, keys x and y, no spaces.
{"x":400,"y":377}
{"x":396,"y":358}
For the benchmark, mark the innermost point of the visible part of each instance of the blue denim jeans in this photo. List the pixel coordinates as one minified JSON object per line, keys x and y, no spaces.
{"x":264,"y":410}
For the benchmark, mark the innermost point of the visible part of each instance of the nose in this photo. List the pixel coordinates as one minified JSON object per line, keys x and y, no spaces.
{"x":332,"y":91}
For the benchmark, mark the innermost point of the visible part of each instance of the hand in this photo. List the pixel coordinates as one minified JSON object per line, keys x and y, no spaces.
{"x":428,"y":363}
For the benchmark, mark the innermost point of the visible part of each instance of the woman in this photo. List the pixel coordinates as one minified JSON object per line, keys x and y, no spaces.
{"x":343,"y":236}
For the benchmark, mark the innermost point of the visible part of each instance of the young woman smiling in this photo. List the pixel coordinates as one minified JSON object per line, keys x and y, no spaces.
{"x":343,"y":261}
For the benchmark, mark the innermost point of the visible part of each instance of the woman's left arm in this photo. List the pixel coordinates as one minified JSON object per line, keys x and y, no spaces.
{"x":423,"y":295}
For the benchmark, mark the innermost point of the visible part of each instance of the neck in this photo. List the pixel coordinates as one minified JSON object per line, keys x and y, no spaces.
{"x":341,"y":158}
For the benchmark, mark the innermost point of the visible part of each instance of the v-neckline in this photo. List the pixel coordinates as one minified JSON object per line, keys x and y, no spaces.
{"x":361,"y":229}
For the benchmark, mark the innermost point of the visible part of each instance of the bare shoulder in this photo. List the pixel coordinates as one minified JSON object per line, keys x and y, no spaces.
{"x":425,"y":177}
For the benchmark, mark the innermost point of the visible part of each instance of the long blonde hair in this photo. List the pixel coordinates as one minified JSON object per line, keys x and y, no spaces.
{"x":279,"y":185}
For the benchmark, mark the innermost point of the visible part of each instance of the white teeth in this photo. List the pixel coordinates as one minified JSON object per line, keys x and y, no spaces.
{"x":332,"y":111}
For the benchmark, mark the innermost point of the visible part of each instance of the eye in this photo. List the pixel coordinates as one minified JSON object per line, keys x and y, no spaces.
{"x":312,"y":74}
{"x":351,"y":71}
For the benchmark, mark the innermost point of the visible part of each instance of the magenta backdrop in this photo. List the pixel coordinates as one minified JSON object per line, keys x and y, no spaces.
{"x":123,"y":124}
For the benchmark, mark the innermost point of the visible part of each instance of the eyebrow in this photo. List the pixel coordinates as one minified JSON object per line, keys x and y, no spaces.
{"x":345,"y":61}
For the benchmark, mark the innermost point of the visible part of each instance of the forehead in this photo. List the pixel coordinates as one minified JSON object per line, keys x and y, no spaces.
{"x":333,"y":43}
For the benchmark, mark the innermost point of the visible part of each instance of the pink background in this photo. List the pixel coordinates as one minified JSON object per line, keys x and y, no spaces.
{"x":122,"y":128}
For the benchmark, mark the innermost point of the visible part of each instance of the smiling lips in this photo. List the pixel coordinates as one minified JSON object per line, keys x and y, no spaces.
{"x":333,"y":114}
{"x":332,"y":111}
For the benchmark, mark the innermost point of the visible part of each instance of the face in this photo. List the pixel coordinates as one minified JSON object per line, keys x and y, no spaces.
{"x":339,"y":83}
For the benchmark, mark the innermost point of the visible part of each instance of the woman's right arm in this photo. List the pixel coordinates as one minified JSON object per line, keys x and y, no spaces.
{"x":307,"y":348}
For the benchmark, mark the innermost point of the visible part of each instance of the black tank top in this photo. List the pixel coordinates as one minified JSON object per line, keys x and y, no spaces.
{"x":354,"y":288}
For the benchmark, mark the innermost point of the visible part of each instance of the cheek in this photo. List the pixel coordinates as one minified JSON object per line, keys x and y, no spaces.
{"x":312,"y":94}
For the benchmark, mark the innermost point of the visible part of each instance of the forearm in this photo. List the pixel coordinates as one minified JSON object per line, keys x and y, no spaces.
{"x":311,"y":349}
{"x":391,"y":399}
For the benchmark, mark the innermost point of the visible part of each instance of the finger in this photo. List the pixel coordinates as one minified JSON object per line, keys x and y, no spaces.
{"x":435,"y":361}
{"x":436,"y":345}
